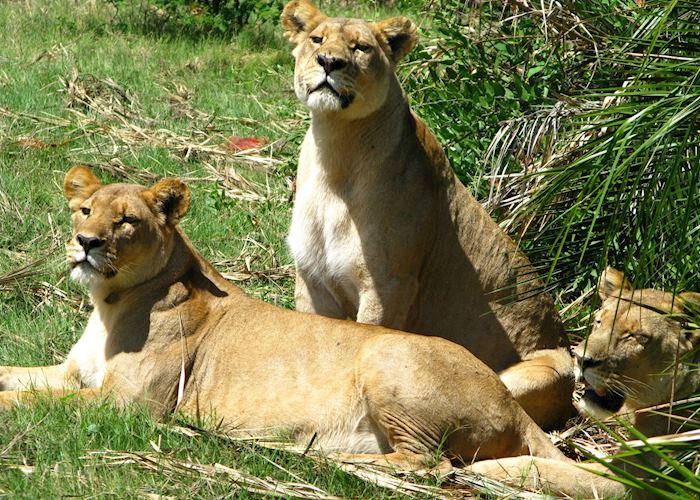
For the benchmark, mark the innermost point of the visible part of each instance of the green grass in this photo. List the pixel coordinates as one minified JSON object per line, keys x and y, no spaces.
{"x":221,"y":77}
{"x":232,"y":87}
{"x":189,"y":90}
{"x":69,"y":449}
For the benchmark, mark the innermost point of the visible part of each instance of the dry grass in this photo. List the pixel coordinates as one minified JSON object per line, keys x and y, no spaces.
{"x":237,"y":479}
{"x":103,"y":107}
{"x":103,"y":110}
{"x":581,"y":438}
{"x":455,"y":483}
{"x":13,"y":278}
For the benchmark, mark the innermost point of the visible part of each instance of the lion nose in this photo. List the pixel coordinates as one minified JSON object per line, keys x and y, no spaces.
{"x":330,"y":63}
{"x":88,"y":242}
{"x":585,"y":362}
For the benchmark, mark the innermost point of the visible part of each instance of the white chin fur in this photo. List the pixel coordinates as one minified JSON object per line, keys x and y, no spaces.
{"x":323,"y":101}
{"x":585,"y":407}
{"x":85,"y":274}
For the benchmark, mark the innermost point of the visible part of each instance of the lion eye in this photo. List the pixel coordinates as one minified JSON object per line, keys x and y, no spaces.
{"x":317,"y":39}
{"x":85,"y":210}
{"x":129,"y":219}
{"x":362,"y":47}
{"x":639,"y":337}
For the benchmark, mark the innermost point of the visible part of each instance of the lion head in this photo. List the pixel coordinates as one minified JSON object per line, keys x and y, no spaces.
{"x":344,"y":66}
{"x":641,"y":349}
{"x":122,"y":233}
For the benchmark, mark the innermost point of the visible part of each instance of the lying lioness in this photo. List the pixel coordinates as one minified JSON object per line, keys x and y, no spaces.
{"x":384,"y":233}
{"x":167,"y":329}
{"x":643,"y":352}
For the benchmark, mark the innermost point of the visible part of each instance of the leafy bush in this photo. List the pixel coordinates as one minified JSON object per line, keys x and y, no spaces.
{"x":474,"y":71}
{"x":204,"y":17}
{"x":586,"y":115}
{"x":620,"y":183}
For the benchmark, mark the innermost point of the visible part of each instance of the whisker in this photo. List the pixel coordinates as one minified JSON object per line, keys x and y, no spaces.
{"x":627,"y":378}
{"x":625,"y":389}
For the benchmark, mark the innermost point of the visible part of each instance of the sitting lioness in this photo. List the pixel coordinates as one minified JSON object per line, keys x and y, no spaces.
{"x":167,"y":329}
{"x":643,"y":352}
{"x":384,"y":233}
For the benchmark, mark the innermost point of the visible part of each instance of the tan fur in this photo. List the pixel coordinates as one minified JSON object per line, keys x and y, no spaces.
{"x":637,"y":340}
{"x":163,"y":315}
{"x":384,"y":233}
{"x":634,"y":349}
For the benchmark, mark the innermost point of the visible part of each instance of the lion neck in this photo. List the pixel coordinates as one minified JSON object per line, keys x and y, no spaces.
{"x":344,"y":146}
{"x":172,"y":260}
{"x":183,"y":267}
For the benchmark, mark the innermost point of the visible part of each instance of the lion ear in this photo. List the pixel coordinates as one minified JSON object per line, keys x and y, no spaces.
{"x":299,"y":17}
{"x":400,"y":34}
{"x":78,"y":185}
{"x":690,"y":301}
{"x":612,"y":282}
{"x":171,"y":198}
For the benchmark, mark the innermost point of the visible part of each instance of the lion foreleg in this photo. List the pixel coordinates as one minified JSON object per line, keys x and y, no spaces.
{"x":10,"y":399}
{"x":543,"y":384}
{"x":315,"y":298}
{"x":20,"y":378}
{"x":389,"y":304}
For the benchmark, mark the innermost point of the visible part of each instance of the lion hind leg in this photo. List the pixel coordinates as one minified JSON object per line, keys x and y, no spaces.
{"x":543,"y":385}
{"x":400,"y":460}
{"x":551,"y":476}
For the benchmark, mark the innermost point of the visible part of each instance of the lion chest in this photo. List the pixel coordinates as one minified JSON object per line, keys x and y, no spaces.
{"x":88,"y":354}
{"x":323,"y":239}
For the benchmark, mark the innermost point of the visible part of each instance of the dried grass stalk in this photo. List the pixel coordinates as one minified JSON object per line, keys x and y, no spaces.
{"x":216,"y":472}
{"x":272,"y":274}
{"x":9,"y":280}
{"x":102,"y":107}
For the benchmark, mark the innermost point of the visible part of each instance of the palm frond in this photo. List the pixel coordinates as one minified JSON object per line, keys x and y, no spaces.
{"x":615,"y":177}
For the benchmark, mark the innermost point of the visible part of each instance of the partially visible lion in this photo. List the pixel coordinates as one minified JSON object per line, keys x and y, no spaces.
{"x":384,"y":233}
{"x":169,"y":330}
{"x":643,"y":352}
